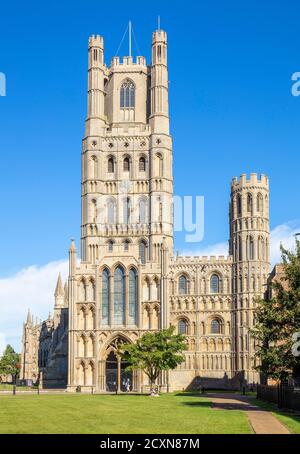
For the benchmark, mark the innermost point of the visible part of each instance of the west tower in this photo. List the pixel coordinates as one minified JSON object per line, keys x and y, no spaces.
{"x":127,"y":182}
{"x":120,"y":289}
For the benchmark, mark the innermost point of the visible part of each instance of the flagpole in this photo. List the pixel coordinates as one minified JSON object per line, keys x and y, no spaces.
{"x":129,"y":33}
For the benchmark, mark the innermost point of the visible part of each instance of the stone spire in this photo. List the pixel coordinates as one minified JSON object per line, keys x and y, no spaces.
{"x":159,"y":118}
{"x":29,"y":318}
{"x":59,"y":294}
{"x":59,"y":291}
{"x":72,"y":258}
{"x":73,"y":246}
{"x":96,"y":120}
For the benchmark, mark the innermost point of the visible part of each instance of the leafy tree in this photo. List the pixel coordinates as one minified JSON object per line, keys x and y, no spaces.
{"x":155,"y":352}
{"x":10,"y":362}
{"x":278,"y":319}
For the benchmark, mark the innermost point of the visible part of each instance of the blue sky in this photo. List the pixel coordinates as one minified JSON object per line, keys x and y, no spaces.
{"x":230,"y":98}
{"x":232,"y":112}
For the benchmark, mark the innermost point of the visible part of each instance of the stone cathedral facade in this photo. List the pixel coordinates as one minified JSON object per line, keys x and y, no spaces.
{"x":128,"y":280}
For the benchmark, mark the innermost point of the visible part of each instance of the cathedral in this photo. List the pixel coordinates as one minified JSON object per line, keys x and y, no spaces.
{"x":128,"y":280}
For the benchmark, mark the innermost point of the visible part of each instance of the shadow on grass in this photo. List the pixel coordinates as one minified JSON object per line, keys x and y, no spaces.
{"x":189,"y":394}
{"x":197,"y":404}
{"x":224,"y":401}
{"x":120,"y":394}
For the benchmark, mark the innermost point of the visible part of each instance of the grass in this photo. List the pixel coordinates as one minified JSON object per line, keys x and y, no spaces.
{"x":109,"y":414}
{"x":9,"y":387}
{"x":290,"y":420}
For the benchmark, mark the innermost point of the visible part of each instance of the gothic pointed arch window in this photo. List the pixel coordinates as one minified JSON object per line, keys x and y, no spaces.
{"x":94,"y":167}
{"x":182,"y":285}
{"x":215,"y":326}
{"x":249,"y":203}
{"x":259,"y":248}
{"x":143,"y":211}
{"x":159,"y":53}
{"x":110,"y":165}
{"x":119,"y":296}
{"x":158,"y":165}
{"x":142,"y":164}
{"x":266,"y":204}
{"x":132,"y":316}
{"x":146,"y":289}
{"x":259,"y":203}
{"x":110,"y":246}
{"x":111,"y":211}
{"x":182,"y":327}
{"x":105,"y":296}
{"x":143,"y":252}
{"x":126,"y":244}
{"x":93,"y":210}
{"x":263,"y":248}
{"x":241,"y":283}
{"x":126,"y":164}
{"x":160,"y":211}
{"x":215,"y":284}
{"x":250,"y":248}
{"x":127,"y":95}
{"x":81,"y":374}
{"x":126,"y":210}
{"x":239,"y":204}
{"x":240,"y":248}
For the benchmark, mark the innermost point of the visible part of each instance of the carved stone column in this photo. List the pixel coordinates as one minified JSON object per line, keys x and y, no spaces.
{"x":126,"y":299}
{"x":101,"y":376}
{"x":151,"y":317}
{"x":111,"y":302}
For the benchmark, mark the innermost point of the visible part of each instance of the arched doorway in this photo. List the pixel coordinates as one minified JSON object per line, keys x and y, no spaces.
{"x":111,"y":372}
{"x":117,"y":378}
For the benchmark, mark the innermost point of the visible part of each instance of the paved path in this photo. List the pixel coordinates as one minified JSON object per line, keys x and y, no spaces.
{"x":262,"y":422}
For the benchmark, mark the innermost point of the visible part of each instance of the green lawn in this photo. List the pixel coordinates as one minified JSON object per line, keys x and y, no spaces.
{"x":290,"y":420}
{"x":9,"y":387}
{"x":104,"y":414}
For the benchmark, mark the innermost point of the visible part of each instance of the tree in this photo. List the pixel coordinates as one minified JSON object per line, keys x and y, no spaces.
{"x":278,"y":319}
{"x":10,"y":362}
{"x":155,"y":352}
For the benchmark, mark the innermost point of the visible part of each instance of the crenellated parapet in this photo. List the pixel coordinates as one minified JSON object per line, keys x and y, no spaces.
{"x":159,"y":37}
{"x":255,"y":179}
{"x":199,"y":260}
{"x":96,"y":41}
{"x":126,"y":62}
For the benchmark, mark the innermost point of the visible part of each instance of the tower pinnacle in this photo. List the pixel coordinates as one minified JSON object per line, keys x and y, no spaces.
{"x":29,"y":318}
{"x":59,"y":291}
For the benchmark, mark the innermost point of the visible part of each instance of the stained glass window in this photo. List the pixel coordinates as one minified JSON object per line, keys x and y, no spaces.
{"x":127,"y":95}
{"x":105,"y":296}
{"x":119,"y":296}
{"x":132,"y":297}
